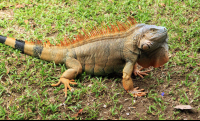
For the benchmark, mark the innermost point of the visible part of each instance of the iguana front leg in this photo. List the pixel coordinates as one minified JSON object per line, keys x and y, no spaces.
{"x":138,"y":72}
{"x":128,"y":83}
{"x":68,"y":76}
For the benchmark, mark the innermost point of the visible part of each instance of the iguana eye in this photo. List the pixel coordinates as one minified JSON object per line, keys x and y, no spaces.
{"x":152,"y":29}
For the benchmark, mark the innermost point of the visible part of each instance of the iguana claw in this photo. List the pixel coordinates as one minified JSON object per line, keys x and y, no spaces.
{"x":66,"y":83}
{"x":140,"y":73}
{"x":137,"y":92}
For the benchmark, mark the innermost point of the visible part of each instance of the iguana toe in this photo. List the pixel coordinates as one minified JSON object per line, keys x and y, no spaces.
{"x":66,"y":83}
{"x":137,"y":92}
{"x":140,"y":73}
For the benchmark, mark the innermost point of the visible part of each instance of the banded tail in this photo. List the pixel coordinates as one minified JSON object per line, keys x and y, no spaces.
{"x":54,"y":53}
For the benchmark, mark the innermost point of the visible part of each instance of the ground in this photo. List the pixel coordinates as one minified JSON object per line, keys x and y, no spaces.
{"x":25,"y":91}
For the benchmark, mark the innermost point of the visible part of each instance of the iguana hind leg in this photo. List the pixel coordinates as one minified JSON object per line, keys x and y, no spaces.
{"x":128,"y":83}
{"x":68,"y":76}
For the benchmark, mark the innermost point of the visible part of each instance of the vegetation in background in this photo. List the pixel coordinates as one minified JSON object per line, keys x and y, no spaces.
{"x":25,"y":91}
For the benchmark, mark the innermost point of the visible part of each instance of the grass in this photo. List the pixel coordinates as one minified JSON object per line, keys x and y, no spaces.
{"x":25,"y":91}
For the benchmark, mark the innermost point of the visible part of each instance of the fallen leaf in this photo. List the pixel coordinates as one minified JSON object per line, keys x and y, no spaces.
{"x":190,"y":56}
{"x":162,"y":4}
{"x":183,"y":107}
{"x":8,"y":70}
{"x":189,"y":22}
{"x":53,"y":25}
{"x":62,"y":104}
{"x":30,"y":5}
{"x":19,"y":6}
{"x":80,"y":111}
{"x":29,"y":110}
{"x":26,"y":22}
{"x":11,"y":82}
{"x":90,"y":85}
{"x":179,"y":39}
{"x":38,"y":117}
{"x":131,"y":108}
{"x":195,"y":19}
{"x":139,"y":7}
{"x":11,"y":12}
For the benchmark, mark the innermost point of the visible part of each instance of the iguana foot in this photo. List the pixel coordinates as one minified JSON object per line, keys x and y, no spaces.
{"x":66,"y":83}
{"x":140,"y":73}
{"x":137,"y":92}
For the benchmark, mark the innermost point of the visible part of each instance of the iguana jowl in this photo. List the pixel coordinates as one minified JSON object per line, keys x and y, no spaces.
{"x":105,"y":51}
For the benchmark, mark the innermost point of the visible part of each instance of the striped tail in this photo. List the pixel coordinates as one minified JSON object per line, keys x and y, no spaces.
{"x":24,"y":47}
{"x":18,"y":44}
{"x":56,"y":54}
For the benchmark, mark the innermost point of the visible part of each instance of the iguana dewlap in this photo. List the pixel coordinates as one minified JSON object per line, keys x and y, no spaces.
{"x":105,"y":51}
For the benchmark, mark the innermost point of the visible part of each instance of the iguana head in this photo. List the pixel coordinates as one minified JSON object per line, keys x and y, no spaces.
{"x":153,"y":45}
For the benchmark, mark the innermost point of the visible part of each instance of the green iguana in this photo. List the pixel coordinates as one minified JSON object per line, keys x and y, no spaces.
{"x":104,"y":51}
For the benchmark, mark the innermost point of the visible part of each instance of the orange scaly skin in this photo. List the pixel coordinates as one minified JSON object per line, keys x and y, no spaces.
{"x":104,"y":51}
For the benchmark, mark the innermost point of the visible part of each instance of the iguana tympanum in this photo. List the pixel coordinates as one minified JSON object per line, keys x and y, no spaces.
{"x":104,"y":51}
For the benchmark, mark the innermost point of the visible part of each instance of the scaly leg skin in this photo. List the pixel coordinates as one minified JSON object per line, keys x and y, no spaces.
{"x":68,"y":76}
{"x":139,"y":72}
{"x":128,"y":83}
{"x":128,"y":86}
